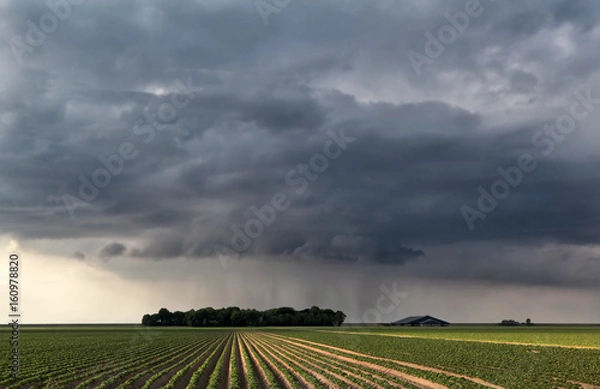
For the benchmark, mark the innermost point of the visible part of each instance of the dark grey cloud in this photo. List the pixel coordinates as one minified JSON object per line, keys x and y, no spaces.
{"x":262,"y":101}
{"x":112,"y":250}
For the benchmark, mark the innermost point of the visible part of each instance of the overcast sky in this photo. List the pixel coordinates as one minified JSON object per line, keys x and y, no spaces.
{"x":386,"y":158}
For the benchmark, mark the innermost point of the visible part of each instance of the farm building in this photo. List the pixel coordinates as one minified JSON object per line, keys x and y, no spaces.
{"x":421,"y":321}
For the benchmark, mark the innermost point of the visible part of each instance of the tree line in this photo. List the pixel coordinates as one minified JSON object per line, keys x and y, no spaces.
{"x":236,"y":317}
{"x":511,"y":322}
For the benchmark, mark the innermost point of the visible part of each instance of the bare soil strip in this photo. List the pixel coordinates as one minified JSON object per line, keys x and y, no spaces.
{"x":401,"y":363}
{"x":149,"y":370}
{"x":300,"y":358}
{"x":242,"y":372}
{"x":230,"y":367}
{"x":401,"y":375}
{"x":462,"y":340}
{"x":183,"y":382}
{"x":242,"y":367}
{"x":173,"y":366}
{"x":281,"y":378}
{"x":347,"y":368}
{"x":301,"y":380}
{"x":321,"y":378}
{"x":225,"y":367}
{"x":205,"y":377}
{"x":584,"y":385}
{"x":181,"y":363}
{"x":262,"y":377}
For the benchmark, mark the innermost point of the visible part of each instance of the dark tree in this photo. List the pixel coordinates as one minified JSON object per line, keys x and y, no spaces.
{"x":164,"y":317}
{"x":339,"y":318}
{"x":178,"y":319}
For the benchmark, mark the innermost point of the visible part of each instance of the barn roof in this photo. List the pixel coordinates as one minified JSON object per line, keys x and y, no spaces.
{"x":418,"y":319}
{"x":409,"y":319}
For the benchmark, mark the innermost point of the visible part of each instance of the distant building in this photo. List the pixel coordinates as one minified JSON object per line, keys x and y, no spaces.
{"x":421,"y":321}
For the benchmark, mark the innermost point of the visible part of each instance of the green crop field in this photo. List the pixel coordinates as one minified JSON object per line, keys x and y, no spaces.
{"x":582,"y":336}
{"x":346,"y":357}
